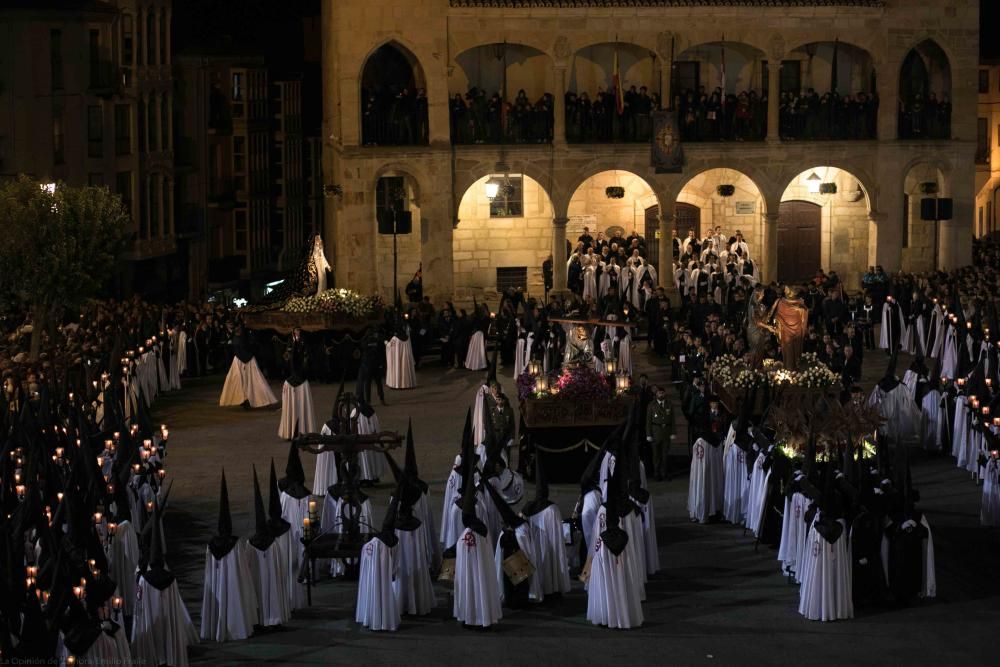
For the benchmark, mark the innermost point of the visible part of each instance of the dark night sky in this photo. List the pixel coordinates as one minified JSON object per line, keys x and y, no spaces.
{"x":989,"y":41}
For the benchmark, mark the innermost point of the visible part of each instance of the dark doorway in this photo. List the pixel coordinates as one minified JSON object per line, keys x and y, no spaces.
{"x":393,"y":100}
{"x":686,"y":216}
{"x":799,"y":227}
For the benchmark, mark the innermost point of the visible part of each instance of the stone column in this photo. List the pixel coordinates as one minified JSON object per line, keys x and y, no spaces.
{"x":162,"y":203}
{"x":769,"y":271}
{"x":773,"y":100}
{"x":559,"y":107}
{"x":169,"y":122}
{"x":559,"y":254}
{"x":154,"y":39}
{"x":664,"y":269}
{"x":885,"y":239}
{"x":139,"y":41}
{"x":169,"y":54}
{"x":158,"y":113}
{"x":146,"y":229}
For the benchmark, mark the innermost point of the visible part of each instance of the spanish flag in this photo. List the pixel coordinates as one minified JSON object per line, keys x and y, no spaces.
{"x":616,"y":81}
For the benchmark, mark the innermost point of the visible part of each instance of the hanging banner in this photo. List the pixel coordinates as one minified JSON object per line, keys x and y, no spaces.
{"x":667,"y":154}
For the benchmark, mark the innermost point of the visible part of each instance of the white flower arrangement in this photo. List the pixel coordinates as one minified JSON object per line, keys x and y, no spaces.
{"x":338,"y":301}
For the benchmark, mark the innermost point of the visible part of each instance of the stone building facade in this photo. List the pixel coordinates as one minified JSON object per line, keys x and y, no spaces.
{"x":563,"y":46}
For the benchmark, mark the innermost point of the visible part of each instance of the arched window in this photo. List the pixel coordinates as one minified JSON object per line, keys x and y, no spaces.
{"x":393,"y":99}
{"x":925,"y":93}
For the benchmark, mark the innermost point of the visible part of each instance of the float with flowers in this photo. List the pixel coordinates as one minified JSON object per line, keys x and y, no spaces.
{"x":336,"y":308}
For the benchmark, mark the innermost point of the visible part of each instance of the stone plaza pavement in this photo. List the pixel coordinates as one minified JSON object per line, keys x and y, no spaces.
{"x":717,"y":600}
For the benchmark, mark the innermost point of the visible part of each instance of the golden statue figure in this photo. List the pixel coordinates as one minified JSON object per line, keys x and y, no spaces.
{"x":791,"y":318}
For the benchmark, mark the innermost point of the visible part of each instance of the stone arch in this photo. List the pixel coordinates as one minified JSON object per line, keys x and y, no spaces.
{"x":744,"y":69}
{"x":925,"y":70}
{"x":461,"y":42}
{"x":859,"y":173}
{"x":846,"y":232}
{"x":386,"y":71}
{"x":851,"y":56}
{"x":543,"y":175}
{"x":565,"y":190}
{"x":921,"y":239}
{"x":700,"y":189}
{"x":590,"y":67}
{"x":482,"y":68}
{"x":410,"y":245}
{"x":483,"y":242}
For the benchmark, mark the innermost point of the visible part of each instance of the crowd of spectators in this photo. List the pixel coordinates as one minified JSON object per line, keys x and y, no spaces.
{"x":596,"y":119}
{"x":925,"y":117}
{"x":478,"y":119}
{"x":811,"y":116}
{"x":712,"y":116}
{"x":393,"y":118}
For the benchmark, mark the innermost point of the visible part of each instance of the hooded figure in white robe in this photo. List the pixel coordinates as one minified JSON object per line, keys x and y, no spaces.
{"x":268,"y":567}
{"x":245,"y":384}
{"x":340,"y":503}
{"x":421,"y":508}
{"x":934,"y":426}
{"x":546,"y":522}
{"x":477,"y":596}
{"x":613,"y":599}
{"x":590,"y":495}
{"x":401,"y":371}
{"x":294,"y":502}
{"x":88,"y":639}
{"x":297,"y":414}
{"x":515,"y":556}
{"x":413,"y":587}
{"x":228,"y":603}
{"x":735,"y":474}
{"x":378,"y":605}
{"x":893,"y":326}
{"x":896,"y":406}
{"x":826,"y":593}
{"x":161,"y":627}
{"x":706,"y":483}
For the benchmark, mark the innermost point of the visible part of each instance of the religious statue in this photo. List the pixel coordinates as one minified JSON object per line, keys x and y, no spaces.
{"x":757,"y":327}
{"x":579,"y":346}
{"x":791,"y":318}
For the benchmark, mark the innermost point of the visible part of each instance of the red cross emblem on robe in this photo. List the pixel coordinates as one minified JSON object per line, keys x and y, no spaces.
{"x":700,"y":451}
{"x":470,"y":540}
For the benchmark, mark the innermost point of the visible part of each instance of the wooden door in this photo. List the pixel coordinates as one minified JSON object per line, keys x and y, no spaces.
{"x":799,"y":228}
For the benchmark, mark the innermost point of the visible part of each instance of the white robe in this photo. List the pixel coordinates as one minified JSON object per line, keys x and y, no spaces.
{"x":122,"y":563}
{"x":106,"y":650}
{"x":377,"y":607}
{"x":228,"y":603}
{"x":933,"y":426}
{"x":413,"y":587}
{"x":161,"y":628}
{"x":479,"y":415}
{"x":401,"y":372}
{"x":332,"y":522}
{"x":294,"y":510}
{"x":245,"y":382}
{"x":612,"y":599}
{"x":588,"y":515}
{"x":552,"y":570}
{"x":736,"y":481}
{"x":826,"y":593}
{"x":989,"y":512}
{"x":794,"y":532}
{"x":422,"y":510}
{"x":706,"y":482}
{"x":372,"y":463}
{"x":477,"y":598}
{"x":475,"y":357}
{"x":269,"y":572}
{"x":297,"y":416}
{"x":902,"y":418}
{"x":949,"y":355}
{"x":757,"y":496}
{"x":525,"y":540}
{"x":450,"y":528}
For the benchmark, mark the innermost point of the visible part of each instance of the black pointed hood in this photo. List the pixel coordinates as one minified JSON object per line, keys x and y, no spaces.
{"x":541,"y":499}
{"x":293,"y":483}
{"x":613,"y":537}
{"x":156,"y":572}
{"x":509,"y":516}
{"x":469,"y":517}
{"x":889,"y":380}
{"x":224,"y":540}
{"x":262,"y":537}
{"x":468,"y":462}
{"x":635,"y":488}
{"x":275,"y":522}
{"x":388,"y":533}
{"x":410,"y":463}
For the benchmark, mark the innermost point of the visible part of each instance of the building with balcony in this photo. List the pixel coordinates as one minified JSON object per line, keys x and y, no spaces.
{"x":988,"y":149}
{"x":85,"y":99}
{"x":225,"y":169}
{"x":496,"y":124}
